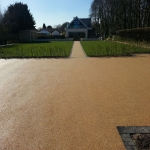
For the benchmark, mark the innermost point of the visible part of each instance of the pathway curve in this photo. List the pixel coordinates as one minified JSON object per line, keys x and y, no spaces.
{"x":77,"y":50}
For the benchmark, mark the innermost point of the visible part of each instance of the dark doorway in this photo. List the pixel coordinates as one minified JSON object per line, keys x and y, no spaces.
{"x":76,"y":35}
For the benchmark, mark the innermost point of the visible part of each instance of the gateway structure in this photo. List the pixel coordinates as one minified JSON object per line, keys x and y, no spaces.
{"x":79,"y":28}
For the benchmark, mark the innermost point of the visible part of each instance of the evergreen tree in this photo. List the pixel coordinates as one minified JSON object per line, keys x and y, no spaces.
{"x":44,"y":26}
{"x":49,"y":27}
{"x":1,"y":17}
{"x":1,"y":23}
{"x":18,"y":17}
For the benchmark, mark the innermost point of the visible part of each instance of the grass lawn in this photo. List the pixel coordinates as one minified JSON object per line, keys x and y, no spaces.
{"x":37,"y":50}
{"x":108,"y":48}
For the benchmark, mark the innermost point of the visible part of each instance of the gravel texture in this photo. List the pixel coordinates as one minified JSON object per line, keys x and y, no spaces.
{"x":72,"y":104}
{"x":142,"y":141}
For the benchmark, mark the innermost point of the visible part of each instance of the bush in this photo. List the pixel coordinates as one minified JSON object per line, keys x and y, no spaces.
{"x":51,"y":37}
{"x":138,"y":34}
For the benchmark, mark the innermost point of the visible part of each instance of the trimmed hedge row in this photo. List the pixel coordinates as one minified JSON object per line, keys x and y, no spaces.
{"x":138,"y":34}
{"x":51,"y":37}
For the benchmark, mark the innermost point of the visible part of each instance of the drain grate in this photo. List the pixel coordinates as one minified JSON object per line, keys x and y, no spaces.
{"x":127,"y":132}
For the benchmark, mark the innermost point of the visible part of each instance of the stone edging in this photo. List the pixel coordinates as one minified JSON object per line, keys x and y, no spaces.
{"x":125,"y":132}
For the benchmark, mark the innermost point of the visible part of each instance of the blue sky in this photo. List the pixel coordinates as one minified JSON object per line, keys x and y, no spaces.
{"x":53,"y":12}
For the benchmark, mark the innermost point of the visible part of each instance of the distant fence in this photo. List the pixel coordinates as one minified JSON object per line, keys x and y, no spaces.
{"x":7,"y":38}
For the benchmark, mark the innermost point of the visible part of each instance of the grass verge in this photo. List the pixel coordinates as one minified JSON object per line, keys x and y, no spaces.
{"x":37,"y":50}
{"x":106,"y":48}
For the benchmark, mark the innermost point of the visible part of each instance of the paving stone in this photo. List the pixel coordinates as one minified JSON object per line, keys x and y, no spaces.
{"x":127,"y":139}
{"x":122,"y":129}
{"x":147,"y":128}
{"x":143,"y":130}
{"x":125,"y":135}
{"x":132,"y":129}
{"x":130,"y":143}
{"x":131,"y":148}
{"x":125,"y":132}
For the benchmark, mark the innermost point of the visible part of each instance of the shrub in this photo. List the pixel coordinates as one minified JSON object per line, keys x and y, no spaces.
{"x":138,"y":34}
{"x":51,"y":37}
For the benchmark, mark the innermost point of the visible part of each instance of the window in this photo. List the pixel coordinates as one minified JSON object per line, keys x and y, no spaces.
{"x":76,"y":23}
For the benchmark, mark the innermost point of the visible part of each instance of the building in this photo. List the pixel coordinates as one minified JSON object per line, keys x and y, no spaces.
{"x":44,"y":32}
{"x":53,"y":32}
{"x":28,"y":35}
{"x":79,"y":28}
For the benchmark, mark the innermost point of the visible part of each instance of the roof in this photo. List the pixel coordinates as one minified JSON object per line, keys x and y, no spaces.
{"x":44,"y":31}
{"x":48,"y":30}
{"x":85,"y":21}
{"x":55,"y":29}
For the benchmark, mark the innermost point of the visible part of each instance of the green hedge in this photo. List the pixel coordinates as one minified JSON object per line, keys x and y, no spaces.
{"x":51,"y":37}
{"x":138,"y":34}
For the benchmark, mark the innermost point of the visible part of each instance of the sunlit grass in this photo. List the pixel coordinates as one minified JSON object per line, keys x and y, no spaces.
{"x":107,"y":48}
{"x":37,"y":50}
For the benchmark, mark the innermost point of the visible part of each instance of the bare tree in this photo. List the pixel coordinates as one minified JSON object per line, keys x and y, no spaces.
{"x":57,"y":26}
{"x":113,"y":15}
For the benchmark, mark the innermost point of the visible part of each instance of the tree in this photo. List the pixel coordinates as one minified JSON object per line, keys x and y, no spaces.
{"x":1,"y":27}
{"x":63,"y":26}
{"x":44,"y":26}
{"x":1,"y":16}
{"x":39,"y":28}
{"x":57,"y":26}
{"x":112,"y":15}
{"x":49,"y":27}
{"x":18,"y":17}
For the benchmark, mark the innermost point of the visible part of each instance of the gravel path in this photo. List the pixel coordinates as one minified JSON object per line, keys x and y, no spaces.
{"x":77,"y":51}
{"x":72,"y":104}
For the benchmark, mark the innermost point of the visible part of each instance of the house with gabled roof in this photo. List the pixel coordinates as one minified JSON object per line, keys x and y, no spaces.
{"x":79,"y":28}
{"x":54,"y":32}
{"x":44,"y":32}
